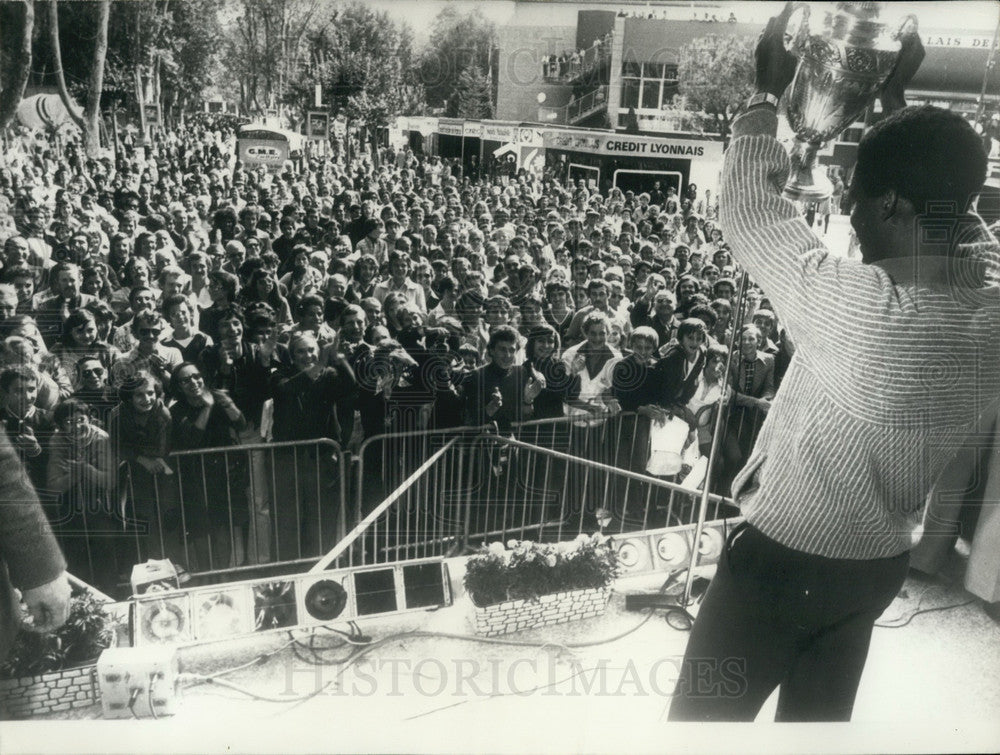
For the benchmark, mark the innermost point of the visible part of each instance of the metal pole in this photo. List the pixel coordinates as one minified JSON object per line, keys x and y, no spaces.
{"x":719,"y":419}
{"x":990,"y":62}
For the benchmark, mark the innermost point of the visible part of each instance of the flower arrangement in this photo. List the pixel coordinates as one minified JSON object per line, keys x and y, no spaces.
{"x":87,"y":631}
{"x":525,"y":570}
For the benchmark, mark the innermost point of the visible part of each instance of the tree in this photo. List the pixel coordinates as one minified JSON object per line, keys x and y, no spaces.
{"x":263,"y":48}
{"x":15,"y":68}
{"x":457,"y":42}
{"x":89,"y":119}
{"x":474,"y":96}
{"x":715,"y":73}
{"x":362,"y":62}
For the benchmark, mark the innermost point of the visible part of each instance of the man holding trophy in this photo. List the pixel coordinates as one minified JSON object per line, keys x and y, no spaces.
{"x":897,"y":365}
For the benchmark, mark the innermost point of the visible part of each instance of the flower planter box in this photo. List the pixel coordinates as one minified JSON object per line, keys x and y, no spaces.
{"x":49,"y":693}
{"x":557,"y":608}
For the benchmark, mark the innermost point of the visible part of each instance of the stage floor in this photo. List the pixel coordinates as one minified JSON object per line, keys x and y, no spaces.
{"x":939,"y":673}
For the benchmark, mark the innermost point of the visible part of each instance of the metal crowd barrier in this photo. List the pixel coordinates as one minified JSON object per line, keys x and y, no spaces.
{"x":234,"y":509}
{"x":550,"y":480}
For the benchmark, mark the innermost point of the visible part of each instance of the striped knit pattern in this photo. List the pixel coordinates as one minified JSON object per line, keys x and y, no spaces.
{"x":890,"y":376}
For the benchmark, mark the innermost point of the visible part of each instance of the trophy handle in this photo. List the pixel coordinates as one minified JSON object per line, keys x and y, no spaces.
{"x":798,"y":39}
{"x":907,"y":20}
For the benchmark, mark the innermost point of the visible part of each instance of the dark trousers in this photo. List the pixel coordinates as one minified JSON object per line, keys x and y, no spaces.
{"x":776,"y":616}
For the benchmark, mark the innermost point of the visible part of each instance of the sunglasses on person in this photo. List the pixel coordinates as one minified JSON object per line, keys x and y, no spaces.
{"x":96,"y":371}
{"x":150,"y":331}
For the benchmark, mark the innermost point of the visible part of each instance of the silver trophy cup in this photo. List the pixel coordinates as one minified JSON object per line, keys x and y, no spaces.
{"x":841,"y":68}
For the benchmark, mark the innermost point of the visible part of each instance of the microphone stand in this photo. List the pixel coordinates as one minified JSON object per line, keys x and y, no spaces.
{"x":678,"y":616}
{"x":685,"y":599}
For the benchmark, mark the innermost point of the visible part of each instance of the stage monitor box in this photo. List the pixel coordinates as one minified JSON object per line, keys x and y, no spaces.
{"x":155,"y":574}
{"x":138,"y":682}
{"x":215,"y":612}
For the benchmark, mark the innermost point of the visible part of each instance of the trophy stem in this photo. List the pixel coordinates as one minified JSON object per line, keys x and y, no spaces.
{"x":808,"y":181}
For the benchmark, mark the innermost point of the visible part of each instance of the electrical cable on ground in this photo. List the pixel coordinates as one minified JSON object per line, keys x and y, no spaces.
{"x":910,"y":617}
{"x":366,"y":649}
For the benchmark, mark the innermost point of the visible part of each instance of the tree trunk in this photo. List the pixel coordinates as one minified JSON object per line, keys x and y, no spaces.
{"x":71,"y":108}
{"x":140,"y":100}
{"x":89,"y":119}
{"x":20,"y":70}
{"x":95,"y":83}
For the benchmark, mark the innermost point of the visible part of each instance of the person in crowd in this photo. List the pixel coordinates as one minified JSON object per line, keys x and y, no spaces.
{"x":27,"y":426}
{"x":184,"y":334}
{"x":81,"y":473}
{"x":312,"y":400}
{"x":80,"y":340}
{"x":213,"y":509}
{"x":593,"y":362}
{"x":400,"y":282}
{"x":261,"y":286}
{"x":140,"y":435}
{"x":222,"y":289}
{"x":52,"y":307}
{"x":94,"y":390}
{"x":149,"y":353}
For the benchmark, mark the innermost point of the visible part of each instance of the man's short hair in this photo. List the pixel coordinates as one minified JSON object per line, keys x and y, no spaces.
{"x":691,"y":325}
{"x":502,"y":334}
{"x":644,"y":331}
{"x":16,"y":372}
{"x":930,"y":156}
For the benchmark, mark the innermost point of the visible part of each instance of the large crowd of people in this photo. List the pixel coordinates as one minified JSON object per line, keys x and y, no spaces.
{"x":173,"y":300}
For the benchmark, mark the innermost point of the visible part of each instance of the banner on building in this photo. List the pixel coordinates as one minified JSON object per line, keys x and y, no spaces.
{"x":498,"y":132}
{"x":449,"y":127}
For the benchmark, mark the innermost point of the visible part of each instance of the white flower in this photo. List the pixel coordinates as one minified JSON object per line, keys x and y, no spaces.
{"x":497,"y":549}
{"x":511,"y":543}
{"x":581,"y":538}
{"x":550,"y":559}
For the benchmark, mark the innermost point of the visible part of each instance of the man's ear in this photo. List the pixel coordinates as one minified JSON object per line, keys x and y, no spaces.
{"x":895,"y":207}
{"x":888,"y":204}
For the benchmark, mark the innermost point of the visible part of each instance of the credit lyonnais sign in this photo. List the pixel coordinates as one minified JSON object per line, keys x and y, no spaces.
{"x":663,"y":149}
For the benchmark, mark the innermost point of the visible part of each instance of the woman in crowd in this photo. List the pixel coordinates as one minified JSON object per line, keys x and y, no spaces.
{"x":140,"y":434}
{"x":80,"y":340}
{"x":184,"y":336}
{"x":312,"y":400}
{"x":262,"y":287}
{"x":212,"y":508}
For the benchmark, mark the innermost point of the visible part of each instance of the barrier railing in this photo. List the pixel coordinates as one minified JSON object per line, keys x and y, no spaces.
{"x":233,"y":510}
{"x":552,"y":480}
{"x":236,"y":508}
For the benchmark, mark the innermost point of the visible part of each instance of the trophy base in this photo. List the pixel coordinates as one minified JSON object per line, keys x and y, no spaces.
{"x":811,"y":190}
{"x":807,"y":181}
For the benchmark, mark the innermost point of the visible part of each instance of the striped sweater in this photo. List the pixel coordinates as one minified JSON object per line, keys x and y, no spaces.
{"x":896,"y":363}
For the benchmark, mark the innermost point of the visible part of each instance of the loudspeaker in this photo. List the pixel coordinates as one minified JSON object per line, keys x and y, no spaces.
{"x":323,"y":599}
{"x":633,"y":552}
{"x":670,"y":549}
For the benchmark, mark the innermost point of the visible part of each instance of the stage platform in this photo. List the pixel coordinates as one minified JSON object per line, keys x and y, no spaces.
{"x":441,"y":694}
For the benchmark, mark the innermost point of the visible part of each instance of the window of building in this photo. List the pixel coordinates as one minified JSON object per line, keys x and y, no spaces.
{"x":630,"y":93}
{"x":648,"y":86}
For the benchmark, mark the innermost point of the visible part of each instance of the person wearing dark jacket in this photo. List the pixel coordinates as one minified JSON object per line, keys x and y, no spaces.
{"x":312,"y":402}
{"x":213,"y":506}
{"x":30,"y":558}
